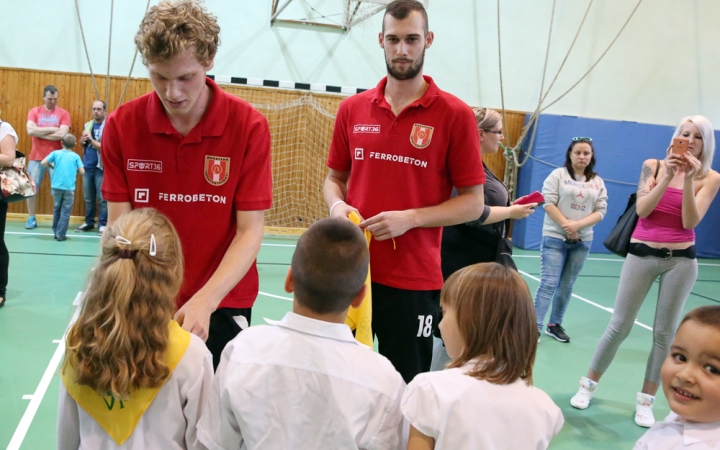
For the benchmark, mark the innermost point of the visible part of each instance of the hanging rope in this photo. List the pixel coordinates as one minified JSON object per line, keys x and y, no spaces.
{"x":532,"y":122}
{"x":82,"y":33}
{"x":107,"y":79}
{"x":127,"y":80}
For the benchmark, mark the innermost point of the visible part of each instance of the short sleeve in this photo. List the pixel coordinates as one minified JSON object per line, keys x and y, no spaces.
{"x":420,"y":407}
{"x":464,"y":155}
{"x":114,"y":187}
{"x":254,"y":191}
{"x":7,"y":129}
{"x":65,"y":119}
{"x":197,"y":394}
{"x":51,"y":157}
{"x":32,"y":115}
{"x":339,"y":155}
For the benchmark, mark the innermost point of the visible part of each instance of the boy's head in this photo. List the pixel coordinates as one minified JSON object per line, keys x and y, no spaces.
{"x":329,"y":266}
{"x":68,"y":141}
{"x":691,"y":372}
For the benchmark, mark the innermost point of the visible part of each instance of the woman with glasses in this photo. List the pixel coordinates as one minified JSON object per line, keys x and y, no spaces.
{"x":669,"y":205}
{"x":575,"y":200}
{"x":477,"y":241}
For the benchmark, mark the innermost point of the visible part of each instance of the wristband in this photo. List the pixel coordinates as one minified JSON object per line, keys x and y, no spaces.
{"x":334,"y":205}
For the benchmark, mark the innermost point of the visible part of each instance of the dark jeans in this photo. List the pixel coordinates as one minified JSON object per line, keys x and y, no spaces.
{"x":61,"y":214}
{"x":92,"y":182}
{"x":4,"y":255}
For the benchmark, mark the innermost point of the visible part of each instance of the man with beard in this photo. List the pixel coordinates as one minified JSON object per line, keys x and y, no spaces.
{"x":397,"y":151}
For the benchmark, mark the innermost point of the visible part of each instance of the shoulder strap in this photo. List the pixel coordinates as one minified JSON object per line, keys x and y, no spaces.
{"x":657,"y":168}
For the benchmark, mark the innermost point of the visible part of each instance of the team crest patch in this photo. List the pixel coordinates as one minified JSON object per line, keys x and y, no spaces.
{"x":421,"y":135}
{"x":217,"y":170}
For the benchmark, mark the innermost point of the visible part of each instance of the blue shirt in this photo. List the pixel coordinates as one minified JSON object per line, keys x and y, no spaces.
{"x":67,"y":164}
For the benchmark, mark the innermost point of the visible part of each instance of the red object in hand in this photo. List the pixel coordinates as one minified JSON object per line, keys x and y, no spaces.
{"x":535,"y":197}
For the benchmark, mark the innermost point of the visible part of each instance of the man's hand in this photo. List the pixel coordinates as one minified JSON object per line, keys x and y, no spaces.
{"x":390,"y":224}
{"x":342,"y":210}
{"x":194,"y":316}
{"x":84,"y":137}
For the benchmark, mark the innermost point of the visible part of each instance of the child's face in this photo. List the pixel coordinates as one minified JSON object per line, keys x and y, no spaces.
{"x":691,"y":373}
{"x":450,"y":332}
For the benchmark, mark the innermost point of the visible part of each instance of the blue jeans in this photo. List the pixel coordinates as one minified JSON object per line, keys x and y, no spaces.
{"x":560,"y":264}
{"x":61,"y":214}
{"x":92,"y":181}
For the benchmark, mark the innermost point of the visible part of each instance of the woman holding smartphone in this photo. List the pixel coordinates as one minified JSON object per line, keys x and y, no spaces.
{"x":575,"y":200}
{"x":477,"y":241}
{"x":669,"y":207}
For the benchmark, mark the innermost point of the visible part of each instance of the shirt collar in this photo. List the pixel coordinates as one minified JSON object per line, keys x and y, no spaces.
{"x":427,"y":98}
{"x":694,"y":432}
{"x":296,"y":322}
{"x":212,"y":123}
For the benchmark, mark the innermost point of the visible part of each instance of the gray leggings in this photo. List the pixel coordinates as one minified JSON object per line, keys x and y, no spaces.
{"x":677,"y":278}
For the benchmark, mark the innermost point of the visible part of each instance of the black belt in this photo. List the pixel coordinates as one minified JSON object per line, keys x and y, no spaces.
{"x":664,"y":253}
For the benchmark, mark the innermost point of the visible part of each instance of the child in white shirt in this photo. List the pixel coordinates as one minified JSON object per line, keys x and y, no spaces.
{"x":304,"y":382}
{"x":132,"y":378}
{"x":691,"y":382}
{"x":485,"y":398}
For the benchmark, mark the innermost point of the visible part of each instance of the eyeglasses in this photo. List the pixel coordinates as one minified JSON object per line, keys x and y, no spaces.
{"x":582,"y":139}
{"x":498,"y":132}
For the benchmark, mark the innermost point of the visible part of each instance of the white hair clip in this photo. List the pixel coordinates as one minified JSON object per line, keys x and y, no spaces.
{"x":153,"y":245}
{"x":122,"y":240}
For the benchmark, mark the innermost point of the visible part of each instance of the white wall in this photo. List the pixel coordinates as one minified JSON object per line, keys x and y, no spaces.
{"x":664,"y":66}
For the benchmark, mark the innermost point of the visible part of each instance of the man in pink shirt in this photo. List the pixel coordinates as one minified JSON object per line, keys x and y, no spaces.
{"x":46,"y":124}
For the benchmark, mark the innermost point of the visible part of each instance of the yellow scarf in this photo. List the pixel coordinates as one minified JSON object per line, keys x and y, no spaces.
{"x":117,"y":417}
{"x":360,"y":319}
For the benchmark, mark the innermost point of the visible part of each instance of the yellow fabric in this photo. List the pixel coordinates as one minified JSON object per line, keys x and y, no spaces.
{"x":119,"y":418}
{"x":360,"y":319}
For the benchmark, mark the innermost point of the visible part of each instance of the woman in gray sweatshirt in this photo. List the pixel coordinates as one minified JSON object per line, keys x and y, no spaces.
{"x":575,"y":200}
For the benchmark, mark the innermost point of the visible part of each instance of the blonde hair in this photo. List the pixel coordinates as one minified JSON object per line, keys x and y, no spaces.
{"x":708,"y":135}
{"x":120,"y":337}
{"x":486,"y":118}
{"x":170,"y":28}
{"x":496,"y":319}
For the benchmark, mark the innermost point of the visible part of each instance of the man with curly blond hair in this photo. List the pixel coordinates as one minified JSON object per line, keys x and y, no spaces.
{"x":201,"y":157}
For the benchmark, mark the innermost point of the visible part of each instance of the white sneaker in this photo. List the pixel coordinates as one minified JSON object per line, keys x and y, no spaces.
{"x":101,"y":229}
{"x":643,"y":410}
{"x":581,"y":400}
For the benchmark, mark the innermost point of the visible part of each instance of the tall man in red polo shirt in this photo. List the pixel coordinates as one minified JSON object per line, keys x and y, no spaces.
{"x":46,"y":125}
{"x":201,"y":157}
{"x":397,"y":151}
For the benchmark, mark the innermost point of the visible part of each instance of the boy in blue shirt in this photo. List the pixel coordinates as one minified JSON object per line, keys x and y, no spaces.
{"x":66,"y":164}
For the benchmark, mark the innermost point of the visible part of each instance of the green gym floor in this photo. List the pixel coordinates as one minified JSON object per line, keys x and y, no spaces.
{"x":46,"y":277}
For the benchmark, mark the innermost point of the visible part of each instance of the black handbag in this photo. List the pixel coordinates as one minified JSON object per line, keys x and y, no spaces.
{"x":503,"y":254}
{"x":618,"y":241}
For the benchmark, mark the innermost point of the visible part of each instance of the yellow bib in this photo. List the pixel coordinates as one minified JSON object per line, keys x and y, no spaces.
{"x":360,"y":319}
{"x":117,"y":417}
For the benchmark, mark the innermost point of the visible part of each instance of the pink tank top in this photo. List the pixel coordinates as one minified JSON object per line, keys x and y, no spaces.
{"x":664,"y":224}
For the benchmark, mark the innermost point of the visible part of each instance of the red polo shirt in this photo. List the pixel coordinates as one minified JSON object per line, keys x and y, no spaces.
{"x":408,"y":161}
{"x":199,"y":181}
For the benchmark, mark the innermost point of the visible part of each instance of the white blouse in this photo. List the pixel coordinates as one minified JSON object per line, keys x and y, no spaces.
{"x":673,"y":433}
{"x":170,"y":421}
{"x":462,"y":412}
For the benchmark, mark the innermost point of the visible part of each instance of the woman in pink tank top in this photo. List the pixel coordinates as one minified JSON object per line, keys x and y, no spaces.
{"x":670,"y":206}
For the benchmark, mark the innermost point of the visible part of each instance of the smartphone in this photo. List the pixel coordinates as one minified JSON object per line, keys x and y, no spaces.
{"x":679,"y":146}
{"x":535,"y":197}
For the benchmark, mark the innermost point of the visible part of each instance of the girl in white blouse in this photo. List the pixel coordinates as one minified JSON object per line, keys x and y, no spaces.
{"x":132,"y":378}
{"x":485,"y":398}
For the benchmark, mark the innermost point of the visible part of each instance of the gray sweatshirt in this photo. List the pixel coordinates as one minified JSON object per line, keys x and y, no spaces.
{"x":575,"y":200}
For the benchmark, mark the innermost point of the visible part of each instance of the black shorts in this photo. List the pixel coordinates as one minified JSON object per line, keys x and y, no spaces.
{"x":404,"y":322}
{"x":223,"y":329}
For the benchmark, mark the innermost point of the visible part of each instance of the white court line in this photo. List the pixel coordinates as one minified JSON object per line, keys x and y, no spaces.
{"x":37,"y":397}
{"x":275,"y":296}
{"x":49,"y":234}
{"x":610,"y":310}
{"x":278,"y":245}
